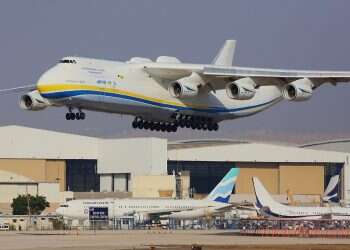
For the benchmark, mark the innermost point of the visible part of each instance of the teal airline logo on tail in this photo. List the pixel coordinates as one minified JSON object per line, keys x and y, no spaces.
{"x":223,"y":190}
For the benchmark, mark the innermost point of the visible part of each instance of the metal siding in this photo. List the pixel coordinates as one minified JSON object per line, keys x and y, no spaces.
{"x":302,"y":179}
{"x":267,"y":173}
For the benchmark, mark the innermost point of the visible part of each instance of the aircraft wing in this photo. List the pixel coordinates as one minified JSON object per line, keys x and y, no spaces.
{"x":218,"y":76}
{"x":17,"y":89}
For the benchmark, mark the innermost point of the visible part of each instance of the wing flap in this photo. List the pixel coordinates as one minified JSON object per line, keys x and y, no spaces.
{"x":277,"y":73}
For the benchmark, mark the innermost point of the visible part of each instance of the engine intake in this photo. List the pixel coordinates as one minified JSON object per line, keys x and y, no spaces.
{"x":242,"y":89}
{"x":299,"y":90}
{"x":182,"y":90}
{"x":33,"y":101}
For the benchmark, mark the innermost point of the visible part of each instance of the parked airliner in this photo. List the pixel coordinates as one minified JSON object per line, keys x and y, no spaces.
{"x":166,"y":94}
{"x":267,"y":206}
{"x":216,"y":202}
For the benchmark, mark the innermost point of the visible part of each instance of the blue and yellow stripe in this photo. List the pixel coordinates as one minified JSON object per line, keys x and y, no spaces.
{"x":62,"y":91}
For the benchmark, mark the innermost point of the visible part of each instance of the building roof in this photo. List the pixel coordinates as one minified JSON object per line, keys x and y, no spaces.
{"x":31,"y":143}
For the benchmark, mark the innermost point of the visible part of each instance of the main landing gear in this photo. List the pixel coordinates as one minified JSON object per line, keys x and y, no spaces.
{"x":75,"y":116}
{"x":182,"y":121}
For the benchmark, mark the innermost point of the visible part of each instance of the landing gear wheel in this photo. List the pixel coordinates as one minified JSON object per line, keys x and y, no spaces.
{"x":134,"y":124}
{"x":72,"y":116}
{"x":67,"y":116}
{"x":162,"y":127}
{"x":215,"y":126}
{"x":77,"y":116}
{"x":82,"y":116}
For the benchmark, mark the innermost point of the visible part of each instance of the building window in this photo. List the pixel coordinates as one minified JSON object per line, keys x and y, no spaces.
{"x":81,"y":176}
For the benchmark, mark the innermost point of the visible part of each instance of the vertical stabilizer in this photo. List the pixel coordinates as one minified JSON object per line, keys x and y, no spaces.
{"x":332,"y":190}
{"x":223,"y":190}
{"x":226,"y":54}
{"x":263,"y":198}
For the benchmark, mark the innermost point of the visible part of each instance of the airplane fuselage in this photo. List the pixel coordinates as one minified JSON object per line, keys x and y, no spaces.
{"x":79,"y":209}
{"x":125,"y":88}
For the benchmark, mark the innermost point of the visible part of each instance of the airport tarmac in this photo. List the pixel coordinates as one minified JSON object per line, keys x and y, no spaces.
{"x":161,"y":239}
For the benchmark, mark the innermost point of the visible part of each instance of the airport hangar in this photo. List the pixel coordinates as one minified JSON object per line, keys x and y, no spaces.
{"x":59,"y":165}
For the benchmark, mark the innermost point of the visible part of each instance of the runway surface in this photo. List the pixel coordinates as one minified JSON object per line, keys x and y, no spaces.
{"x":113,"y":240}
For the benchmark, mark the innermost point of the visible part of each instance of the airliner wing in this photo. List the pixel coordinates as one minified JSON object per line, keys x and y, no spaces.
{"x":217,"y":76}
{"x":265,"y":76}
{"x":17,"y":89}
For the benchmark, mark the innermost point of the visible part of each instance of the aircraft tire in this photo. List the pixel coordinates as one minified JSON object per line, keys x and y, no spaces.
{"x":146,"y":125}
{"x":140,"y":125}
{"x":67,"y":116}
{"x":82,"y":116}
{"x":134,"y":124}
{"x":162,"y":127}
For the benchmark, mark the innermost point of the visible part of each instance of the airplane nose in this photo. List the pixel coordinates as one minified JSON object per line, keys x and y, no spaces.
{"x":60,"y":211}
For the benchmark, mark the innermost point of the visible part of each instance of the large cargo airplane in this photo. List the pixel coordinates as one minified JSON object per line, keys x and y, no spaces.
{"x":267,"y":206}
{"x":216,"y":202}
{"x":167,"y":94}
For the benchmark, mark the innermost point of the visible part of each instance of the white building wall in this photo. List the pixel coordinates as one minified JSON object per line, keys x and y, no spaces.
{"x":23,"y":142}
{"x":10,"y":191}
{"x":106,"y":183}
{"x":139,"y":156}
{"x":51,"y":191}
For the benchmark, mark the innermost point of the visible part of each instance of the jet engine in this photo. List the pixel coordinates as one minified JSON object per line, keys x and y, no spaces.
{"x":183,"y":89}
{"x":242,"y":89}
{"x":141,"y":217}
{"x":299,"y":90}
{"x":186,"y":87}
{"x":33,"y":101}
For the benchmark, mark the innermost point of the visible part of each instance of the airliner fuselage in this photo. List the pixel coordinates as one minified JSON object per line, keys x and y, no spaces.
{"x":125,"y":88}
{"x":166,"y":94}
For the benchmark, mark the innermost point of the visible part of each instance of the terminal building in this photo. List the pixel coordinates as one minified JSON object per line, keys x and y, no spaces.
{"x":58,"y":165}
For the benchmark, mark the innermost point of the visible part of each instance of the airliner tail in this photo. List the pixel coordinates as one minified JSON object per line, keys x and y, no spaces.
{"x":223,"y":190}
{"x":263,"y":197}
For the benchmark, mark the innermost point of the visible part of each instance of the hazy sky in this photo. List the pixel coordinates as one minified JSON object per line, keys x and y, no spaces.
{"x":277,"y":34}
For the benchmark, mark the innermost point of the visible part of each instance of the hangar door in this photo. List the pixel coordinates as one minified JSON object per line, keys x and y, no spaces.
{"x":302,"y":179}
{"x":267,"y":173}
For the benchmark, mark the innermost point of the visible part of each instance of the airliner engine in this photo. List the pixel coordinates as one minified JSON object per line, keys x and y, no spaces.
{"x":181,"y":89}
{"x":141,"y":217}
{"x":33,"y":101}
{"x":299,"y":90}
{"x":242,"y":89}
{"x":186,"y":87}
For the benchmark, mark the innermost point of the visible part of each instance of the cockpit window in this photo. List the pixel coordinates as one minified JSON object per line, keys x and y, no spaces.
{"x":64,"y":205}
{"x":68,"y":61}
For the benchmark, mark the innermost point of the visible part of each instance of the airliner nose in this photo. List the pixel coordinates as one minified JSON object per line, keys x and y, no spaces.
{"x":60,"y":211}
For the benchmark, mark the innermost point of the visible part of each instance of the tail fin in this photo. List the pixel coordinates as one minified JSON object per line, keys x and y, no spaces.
{"x":331,"y":192}
{"x":263,"y":197}
{"x":226,"y":53}
{"x":223,"y":190}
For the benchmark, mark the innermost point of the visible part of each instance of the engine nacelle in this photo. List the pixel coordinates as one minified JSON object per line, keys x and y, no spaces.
{"x":183,"y":89}
{"x":33,"y":101}
{"x":299,"y":90}
{"x":141,"y":217}
{"x":242,"y":89}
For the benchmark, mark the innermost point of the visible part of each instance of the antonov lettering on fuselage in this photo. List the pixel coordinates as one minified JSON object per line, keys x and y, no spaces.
{"x":167,"y":94}
{"x":217,"y":202}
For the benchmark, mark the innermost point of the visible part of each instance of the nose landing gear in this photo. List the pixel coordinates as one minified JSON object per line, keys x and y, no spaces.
{"x":75,"y":116}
